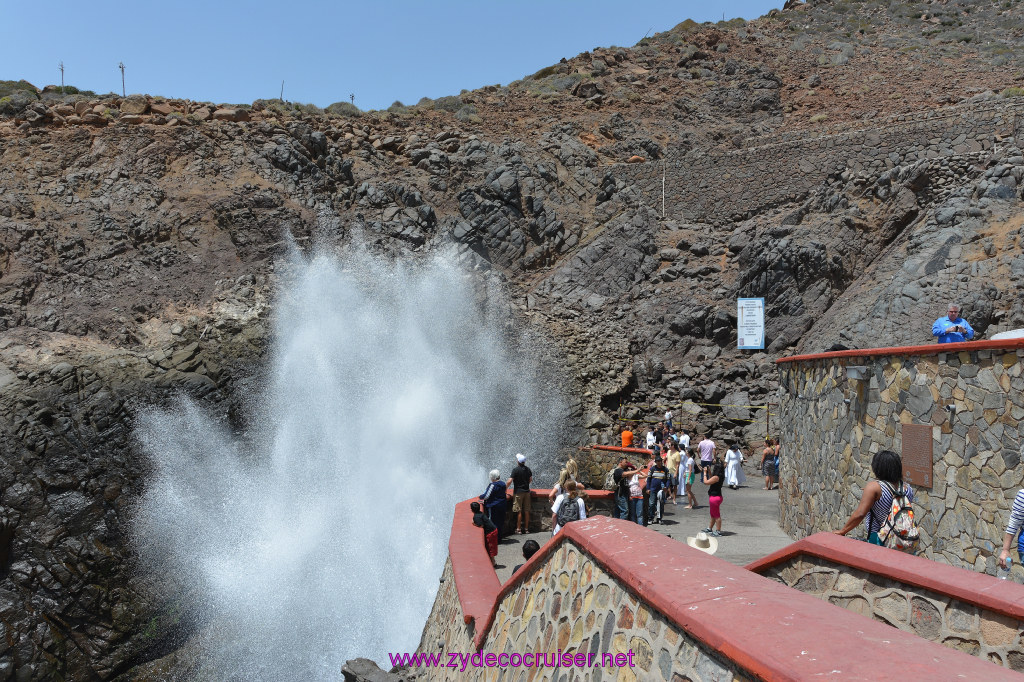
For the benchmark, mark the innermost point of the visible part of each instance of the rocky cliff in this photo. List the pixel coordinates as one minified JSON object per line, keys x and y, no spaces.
{"x":857,"y":164}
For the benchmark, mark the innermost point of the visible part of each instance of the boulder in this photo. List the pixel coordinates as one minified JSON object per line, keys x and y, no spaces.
{"x":134,"y":105}
{"x":365,"y":670}
{"x":735,"y":405}
{"x":235,"y":115}
{"x":161,"y":108}
{"x":15,"y":102}
{"x":202,"y":114}
{"x":636,"y":159}
{"x":131,"y":119}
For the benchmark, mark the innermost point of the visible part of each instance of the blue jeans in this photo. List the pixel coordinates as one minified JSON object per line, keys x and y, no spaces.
{"x":637,"y":506}
{"x":657,"y":504}
{"x":621,"y":506}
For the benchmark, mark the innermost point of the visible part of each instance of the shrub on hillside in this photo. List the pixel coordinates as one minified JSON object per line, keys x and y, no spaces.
{"x":468,"y":114}
{"x":344,"y":109}
{"x":72,"y":90}
{"x":279,"y":107}
{"x":1013,"y":92}
{"x":9,"y":87}
{"x":688,"y":26}
{"x":449,"y":103}
{"x":544,"y":73}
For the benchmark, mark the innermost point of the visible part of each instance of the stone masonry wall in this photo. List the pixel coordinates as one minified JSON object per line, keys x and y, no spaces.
{"x":571,"y":604}
{"x":974,"y":399}
{"x":598,"y":504}
{"x":446,"y":629}
{"x":701,"y":186}
{"x":936,"y":617}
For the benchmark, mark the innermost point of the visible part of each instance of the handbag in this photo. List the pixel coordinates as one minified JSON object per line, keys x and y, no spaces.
{"x":872,"y":536}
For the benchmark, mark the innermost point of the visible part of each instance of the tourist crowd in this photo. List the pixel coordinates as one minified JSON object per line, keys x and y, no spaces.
{"x":672,"y":468}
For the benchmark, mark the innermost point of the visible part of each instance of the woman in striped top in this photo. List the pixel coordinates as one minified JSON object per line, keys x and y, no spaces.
{"x":1013,"y":529}
{"x":876,"y":501}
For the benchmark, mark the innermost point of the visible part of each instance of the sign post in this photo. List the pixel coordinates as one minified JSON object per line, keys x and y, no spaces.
{"x":750,"y":323}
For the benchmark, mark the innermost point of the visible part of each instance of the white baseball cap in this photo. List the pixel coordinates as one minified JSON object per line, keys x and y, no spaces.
{"x":520,"y":457}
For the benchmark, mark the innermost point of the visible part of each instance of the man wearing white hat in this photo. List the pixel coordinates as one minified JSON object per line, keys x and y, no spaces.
{"x":520,"y":478}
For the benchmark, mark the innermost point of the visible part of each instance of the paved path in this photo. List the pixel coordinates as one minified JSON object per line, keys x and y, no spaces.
{"x":750,"y":526}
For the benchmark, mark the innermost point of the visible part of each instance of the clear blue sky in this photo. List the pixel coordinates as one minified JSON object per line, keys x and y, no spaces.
{"x":381,"y":51}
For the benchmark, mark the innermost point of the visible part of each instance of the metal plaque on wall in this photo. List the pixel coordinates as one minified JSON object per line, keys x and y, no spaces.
{"x":917,"y":454}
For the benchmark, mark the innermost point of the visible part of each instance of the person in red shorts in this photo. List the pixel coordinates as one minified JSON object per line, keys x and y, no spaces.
{"x":490,"y":531}
{"x":713,"y":477}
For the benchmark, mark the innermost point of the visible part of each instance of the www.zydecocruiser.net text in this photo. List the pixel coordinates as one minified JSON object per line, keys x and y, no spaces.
{"x":463,"y":661}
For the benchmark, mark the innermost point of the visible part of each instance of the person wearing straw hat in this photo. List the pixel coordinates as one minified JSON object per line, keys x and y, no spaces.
{"x":704,"y":542}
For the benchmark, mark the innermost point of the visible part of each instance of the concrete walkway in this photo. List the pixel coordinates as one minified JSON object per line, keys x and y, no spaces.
{"x":750,"y":526}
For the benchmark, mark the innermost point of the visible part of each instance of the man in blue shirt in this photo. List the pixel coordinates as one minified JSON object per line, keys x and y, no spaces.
{"x":952,"y":328}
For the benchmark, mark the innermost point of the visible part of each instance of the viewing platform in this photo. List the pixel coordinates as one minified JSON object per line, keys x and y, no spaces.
{"x":954,"y":412}
{"x":618,"y":592}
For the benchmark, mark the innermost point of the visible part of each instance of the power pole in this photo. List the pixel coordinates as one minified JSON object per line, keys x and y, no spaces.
{"x":61,"y":78}
{"x":121,"y":66}
{"x":282,"y":92}
{"x":352,"y":98}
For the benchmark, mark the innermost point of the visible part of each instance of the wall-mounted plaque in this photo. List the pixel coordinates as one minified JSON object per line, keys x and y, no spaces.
{"x":917,"y":454}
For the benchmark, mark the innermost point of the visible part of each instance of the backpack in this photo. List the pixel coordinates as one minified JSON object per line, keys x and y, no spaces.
{"x":568,"y":511}
{"x":621,"y":484}
{"x":899,"y":531}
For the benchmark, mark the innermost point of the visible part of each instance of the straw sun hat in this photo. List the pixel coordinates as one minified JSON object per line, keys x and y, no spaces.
{"x":704,"y":543}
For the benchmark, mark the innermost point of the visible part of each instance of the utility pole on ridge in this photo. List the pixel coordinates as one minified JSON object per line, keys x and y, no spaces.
{"x":121,"y":66}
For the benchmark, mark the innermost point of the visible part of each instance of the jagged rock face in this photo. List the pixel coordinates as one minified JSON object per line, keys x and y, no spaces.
{"x":140,"y":241}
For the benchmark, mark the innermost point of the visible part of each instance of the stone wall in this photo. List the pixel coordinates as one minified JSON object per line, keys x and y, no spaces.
{"x":599,"y":503}
{"x":572,"y":605}
{"x":934,"y":616}
{"x":664,"y":610}
{"x":702,"y":186}
{"x":972,"y":395}
{"x":597,"y":462}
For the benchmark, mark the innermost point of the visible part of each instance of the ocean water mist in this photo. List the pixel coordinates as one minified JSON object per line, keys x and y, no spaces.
{"x":320,"y":534}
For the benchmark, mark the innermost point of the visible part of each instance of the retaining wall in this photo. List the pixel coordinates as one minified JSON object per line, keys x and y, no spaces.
{"x":970,"y":612}
{"x":599,"y":503}
{"x":970,"y":394}
{"x":598,"y":461}
{"x":605,"y":586}
{"x":705,"y":186}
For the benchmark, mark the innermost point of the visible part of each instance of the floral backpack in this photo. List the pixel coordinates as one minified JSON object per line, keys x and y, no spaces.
{"x":898,"y":531}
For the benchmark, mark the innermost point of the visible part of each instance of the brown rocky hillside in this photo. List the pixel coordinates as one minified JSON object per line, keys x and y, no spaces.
{"x":856,"y":163}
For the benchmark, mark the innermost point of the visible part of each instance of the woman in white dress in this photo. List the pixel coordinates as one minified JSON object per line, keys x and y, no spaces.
{"x":734,"y":476}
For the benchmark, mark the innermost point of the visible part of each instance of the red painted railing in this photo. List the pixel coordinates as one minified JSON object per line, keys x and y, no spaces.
{"x":725,"y":607}
{"x":984,"y":591}
{"x":931,"y":349}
